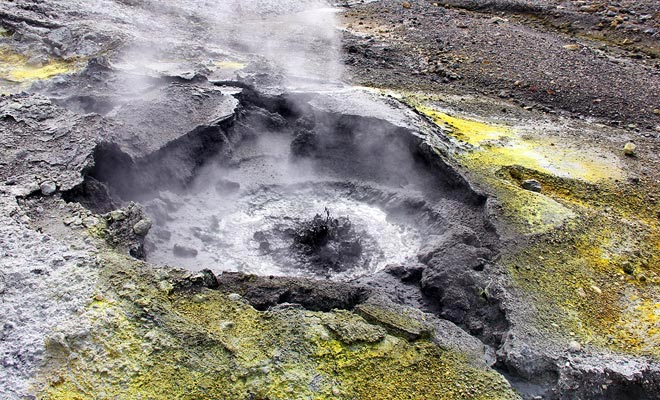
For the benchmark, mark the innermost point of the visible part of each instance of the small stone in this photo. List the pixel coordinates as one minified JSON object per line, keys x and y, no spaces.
{"x":165,"y":286}
{"x":531,"y":185}
{"x":574,"y":346}
{"x":183,"y":251}
{"x":234,"y":297}
{"x":58,"y":342}
{"x":48,"y":188}
{"x":205,"y":278}
{"x":572,"y":47}
{"x":90,"y":222}
{"x":200,"y":298}
{"x":656,"y":111}
{"x":406,"y":4}
{"x":629,"y":149}
{"x":265,"y":370}
{"x":141,"y":228}
{"x":226,"y":325}
{"x":596,"y":289}
{"x":117,"y":215}
{"x":628,"y":268}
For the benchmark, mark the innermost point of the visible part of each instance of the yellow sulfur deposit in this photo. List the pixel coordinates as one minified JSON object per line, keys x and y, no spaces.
{"x":15,"y":68}
{"x":498,"y":145}
{"x":230,"y":65}
{"x":468,"y":131}
{"x":146,"y":340}
{"x":592,"y":264}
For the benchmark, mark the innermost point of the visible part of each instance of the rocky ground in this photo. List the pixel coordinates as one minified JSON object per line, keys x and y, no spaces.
{"x":521,"y":138}
{"x":590,"y":59}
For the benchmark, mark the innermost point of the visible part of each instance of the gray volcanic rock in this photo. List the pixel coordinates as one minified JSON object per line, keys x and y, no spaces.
{"x":148,"y":122}
{"x":163,"y":91}
{"x":41,"y":139}
{"x":46,"y":280}
{"x":126,"y":229}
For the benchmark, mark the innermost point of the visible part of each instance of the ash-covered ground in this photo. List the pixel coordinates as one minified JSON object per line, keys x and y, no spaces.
{"x":298,"y":199}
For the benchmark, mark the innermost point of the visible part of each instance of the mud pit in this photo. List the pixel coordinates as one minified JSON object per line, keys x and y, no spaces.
{"x":245,"y":207}
{"x":294,"y":205}
{"x":256,"y":232}
{"x":249,"y":210}
{"x":286,"y":188}
{"x":290,"y":189}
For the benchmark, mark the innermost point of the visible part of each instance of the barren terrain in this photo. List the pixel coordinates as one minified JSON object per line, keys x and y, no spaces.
{"x":296,"y":199}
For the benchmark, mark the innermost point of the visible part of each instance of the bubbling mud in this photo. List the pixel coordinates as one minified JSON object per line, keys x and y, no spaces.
{"x":258,"y":231}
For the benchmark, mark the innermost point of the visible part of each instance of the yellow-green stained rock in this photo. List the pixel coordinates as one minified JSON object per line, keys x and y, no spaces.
{"x":351,"y":328}
{"x":403,"y":322}
{"x":145,"y":344}
{"x":592,"y":262}
{"x":493,"y":146}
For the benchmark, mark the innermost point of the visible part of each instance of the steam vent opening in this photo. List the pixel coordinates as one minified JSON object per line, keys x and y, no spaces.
{"x":287,"y":190}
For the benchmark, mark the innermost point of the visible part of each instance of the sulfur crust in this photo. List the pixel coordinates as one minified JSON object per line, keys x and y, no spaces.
{"x":14,"y":67}
{"x":592,"y":265}
{"x":149,"y":343}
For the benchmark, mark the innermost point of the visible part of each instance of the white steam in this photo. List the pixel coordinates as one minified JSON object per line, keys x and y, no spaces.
{"x":296,"y":38}
{"x":299,"y":37}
